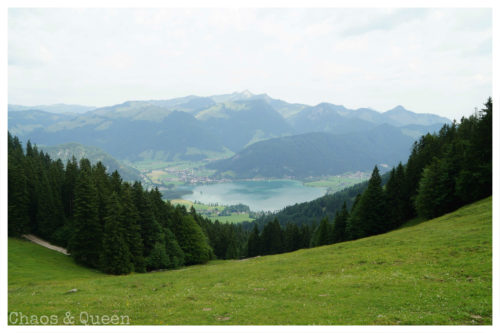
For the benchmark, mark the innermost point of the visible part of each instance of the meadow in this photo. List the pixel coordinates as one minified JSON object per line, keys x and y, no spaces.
{"x":435,"y":272}
{"x":211,"y":211}
{"x":339,"y":182}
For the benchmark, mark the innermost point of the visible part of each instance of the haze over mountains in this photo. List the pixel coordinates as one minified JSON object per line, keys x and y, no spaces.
{"x":67,"y":150}
{"x":54,"y":108}
{"x":197,"y":128}
{"x":318,"y":154}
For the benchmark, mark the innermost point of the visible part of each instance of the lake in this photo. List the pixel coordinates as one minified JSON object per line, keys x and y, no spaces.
{"x":262,"y":195}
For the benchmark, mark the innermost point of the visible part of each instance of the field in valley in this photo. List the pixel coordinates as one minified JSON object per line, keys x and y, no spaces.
{"x":212,"y":211}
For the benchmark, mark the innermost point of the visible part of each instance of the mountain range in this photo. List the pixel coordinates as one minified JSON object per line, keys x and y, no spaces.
{"x":196,"y":128}
{"x":53,"y":108}
{"x":317,"y":154}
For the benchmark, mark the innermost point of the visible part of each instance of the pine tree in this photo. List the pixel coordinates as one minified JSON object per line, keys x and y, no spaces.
{"x":173,"y":250}
{"x":272,"y":238}
{"x":254,"y":242}
{"x":86,"y":243}
{"x":151,"y":232}
{"x":322,"y":235}
{"x":68,"y":187}
{"x":427,"y":199}
{"x":292,"y":238}
{"x":340,"y":224}
{"x":133,"y":237}
{"x":115,"y":255}
{"x":394,"y":192}
{"x":18,"y":197}
{"x":369,"y":216}
{"x":116,"y":182}
{"x":192,"y":241}
{"x":103,"y":186}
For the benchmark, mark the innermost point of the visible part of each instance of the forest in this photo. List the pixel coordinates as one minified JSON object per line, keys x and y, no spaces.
{"x":120,"y":227}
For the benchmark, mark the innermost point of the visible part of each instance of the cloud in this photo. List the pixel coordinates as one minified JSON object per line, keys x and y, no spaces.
{"x":386,"y":20}
{"x":435,"y":60}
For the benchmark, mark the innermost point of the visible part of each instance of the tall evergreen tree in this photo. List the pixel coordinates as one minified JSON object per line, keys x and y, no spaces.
{"x":173,"y":250}
{"x":18,"y":196}
{"x":322,"y":234}
{"x":369,"y":216}
{"x":254,"y":247}
{"x":151,"y":232}
{"x":132,"y":229}
{"x":86,"y":243}
{"x":115,"y":255}
{"x":340,"y":225}
{"x":68,"y":187}
{"x":192,"y":241}
{"x":395,"y":195}
{"x":272,"y":238}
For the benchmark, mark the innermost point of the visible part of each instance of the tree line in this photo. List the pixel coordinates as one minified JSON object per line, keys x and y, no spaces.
{"x":119,"y":227}
{"x":104,"y":222}
{"x":444,"y":171}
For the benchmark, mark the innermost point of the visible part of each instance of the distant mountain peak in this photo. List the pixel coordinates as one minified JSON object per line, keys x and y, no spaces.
{"x":398,"y":108}
{"x":246,"y":93}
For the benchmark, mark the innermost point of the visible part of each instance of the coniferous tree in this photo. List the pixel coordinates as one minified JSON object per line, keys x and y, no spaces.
{"x":474,"y":180}
{"x":192,"y":241}
{"x":340,"y":224}
{"x":322,"y":234}
{"x":18,"y":196}
{"x":292,"y":238}
{"x":158,"y":258}
{"x":115,"y":255}
{"x":394,"y":192}
{"x":254,"y":242}
{"x":132,"y":229}
{"x":116,"y":182}
{"x":151,"y":232}
{"x":86,"y":243}
{"x":46,"y":215}
{"x":68,"y":188}
{"x":369,"y":216}
{"x":173,"y":250}
{"x":103,"y":187}
{"x":272,"y":238}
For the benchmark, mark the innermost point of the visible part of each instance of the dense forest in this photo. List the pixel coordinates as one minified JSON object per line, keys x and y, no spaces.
{"x":105,"y":223}
{"x":120,"y":227}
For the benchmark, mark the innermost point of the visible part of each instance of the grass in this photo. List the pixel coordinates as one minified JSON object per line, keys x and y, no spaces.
{"x":210,"y":211}
{"x":434,"y":272}
{"x":148,"y":165}
{"x":233,"y":218}
{"x":337,"y":183}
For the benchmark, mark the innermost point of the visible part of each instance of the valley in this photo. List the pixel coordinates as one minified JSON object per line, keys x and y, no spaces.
{"x":303,"y":166}
{"x":193,"y":184}
{"x":229,"y":144}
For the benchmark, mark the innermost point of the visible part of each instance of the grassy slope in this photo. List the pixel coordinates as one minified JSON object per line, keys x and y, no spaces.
{"x":435,"y":272}
{"x":233,"y":218}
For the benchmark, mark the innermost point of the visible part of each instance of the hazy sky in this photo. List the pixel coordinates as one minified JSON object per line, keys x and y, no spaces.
{"x":436,"y":60}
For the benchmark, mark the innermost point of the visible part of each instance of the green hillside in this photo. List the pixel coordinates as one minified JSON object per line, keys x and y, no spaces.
{"x":66,"y":151}
{"x":435,"y":272}
{"x":318,"y":154}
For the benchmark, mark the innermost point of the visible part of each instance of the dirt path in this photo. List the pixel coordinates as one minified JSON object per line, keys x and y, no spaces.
{"x":46,"y":244}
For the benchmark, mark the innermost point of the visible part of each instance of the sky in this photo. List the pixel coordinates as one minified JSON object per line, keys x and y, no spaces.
{"x":428,"y":60}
